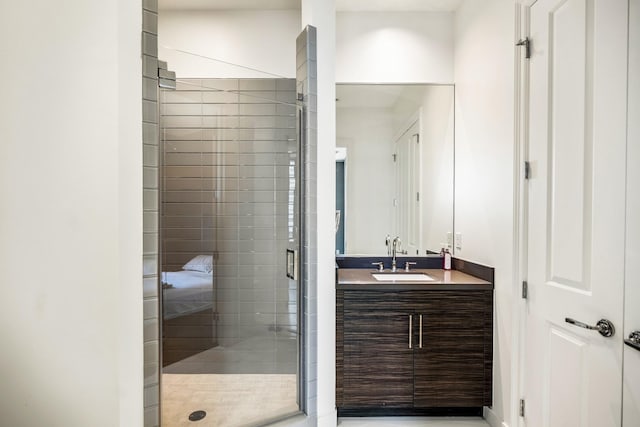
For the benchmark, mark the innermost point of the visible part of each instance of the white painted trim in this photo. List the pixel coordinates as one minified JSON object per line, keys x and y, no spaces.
{"x":526,"y":3}
{"x":491,"y":417}
{"x":520,"y":213}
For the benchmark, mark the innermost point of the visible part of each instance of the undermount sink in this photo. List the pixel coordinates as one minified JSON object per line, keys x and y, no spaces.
{"x":402,"y":277}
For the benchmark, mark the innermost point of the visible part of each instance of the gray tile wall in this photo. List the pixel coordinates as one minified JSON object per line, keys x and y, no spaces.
{"x":150,"y":211}
{"x":228,"y":147}
{"x":307,"y":86}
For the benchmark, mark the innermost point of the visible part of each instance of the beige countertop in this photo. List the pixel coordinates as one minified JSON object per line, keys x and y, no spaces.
{"x":362,"y":278}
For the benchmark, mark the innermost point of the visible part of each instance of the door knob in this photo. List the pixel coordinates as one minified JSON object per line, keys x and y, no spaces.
{"x":633,"y":340}
{"x":604,"y":326}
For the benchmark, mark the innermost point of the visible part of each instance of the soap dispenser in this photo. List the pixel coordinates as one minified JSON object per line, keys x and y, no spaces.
{"x":446,"y":259}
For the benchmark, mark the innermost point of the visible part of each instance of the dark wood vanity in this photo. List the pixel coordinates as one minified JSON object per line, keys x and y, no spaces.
{"x":404,"y":347}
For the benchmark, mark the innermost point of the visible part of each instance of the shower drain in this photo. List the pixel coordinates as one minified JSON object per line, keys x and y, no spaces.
{"x":197,"y":415}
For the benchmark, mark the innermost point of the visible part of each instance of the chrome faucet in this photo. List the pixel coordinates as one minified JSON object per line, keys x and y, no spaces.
{"x":396,"y":244}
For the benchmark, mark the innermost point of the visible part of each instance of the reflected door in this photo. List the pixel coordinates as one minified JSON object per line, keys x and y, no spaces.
{"x":407,"y":177}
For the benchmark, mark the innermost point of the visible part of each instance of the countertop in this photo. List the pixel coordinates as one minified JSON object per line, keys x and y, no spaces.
{"x":362,"y":279}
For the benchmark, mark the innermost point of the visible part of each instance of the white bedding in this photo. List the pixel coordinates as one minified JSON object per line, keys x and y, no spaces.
{"x":191,"y":291}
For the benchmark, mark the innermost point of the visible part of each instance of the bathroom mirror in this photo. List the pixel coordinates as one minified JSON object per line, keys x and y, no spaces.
{"x":394,"y":167}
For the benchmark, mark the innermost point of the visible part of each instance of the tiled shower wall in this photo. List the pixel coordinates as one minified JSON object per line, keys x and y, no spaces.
{"x":229,"y":153}
{"x":307,"y":88}
{"x":150,"y":211}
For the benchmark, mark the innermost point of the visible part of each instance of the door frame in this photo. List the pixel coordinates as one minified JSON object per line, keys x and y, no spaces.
{"x":414,"y":118}
{"x":520,"y":208}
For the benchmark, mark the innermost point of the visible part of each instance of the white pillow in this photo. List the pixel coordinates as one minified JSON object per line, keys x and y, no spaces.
{"x":203,"y":263}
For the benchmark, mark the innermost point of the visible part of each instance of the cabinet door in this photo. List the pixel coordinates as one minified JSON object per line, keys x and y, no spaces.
{"x":453,"y":367}
{"x":378,"y":363}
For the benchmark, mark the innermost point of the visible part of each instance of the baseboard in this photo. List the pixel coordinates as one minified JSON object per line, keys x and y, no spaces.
{"x":328,"y":420}
{"x":492,"y":418}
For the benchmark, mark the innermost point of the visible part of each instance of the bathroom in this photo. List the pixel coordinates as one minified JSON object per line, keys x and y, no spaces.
{"x":481,"y":60}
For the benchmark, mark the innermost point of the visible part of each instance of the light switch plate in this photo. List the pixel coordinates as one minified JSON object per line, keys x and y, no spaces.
{"x":459,"y":241}
{"x":449,"y":239}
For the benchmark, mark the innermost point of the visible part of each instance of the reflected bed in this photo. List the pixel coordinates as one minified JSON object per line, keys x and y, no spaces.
{"x":188,"y":310}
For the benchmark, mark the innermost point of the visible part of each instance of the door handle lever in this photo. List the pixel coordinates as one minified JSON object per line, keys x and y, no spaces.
{"x":633,"y":340}
{"x":604,"y":326}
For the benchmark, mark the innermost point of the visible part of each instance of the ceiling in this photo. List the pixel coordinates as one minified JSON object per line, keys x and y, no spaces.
{"x":341,"y":5}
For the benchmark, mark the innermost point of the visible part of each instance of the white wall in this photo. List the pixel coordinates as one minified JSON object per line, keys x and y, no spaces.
{"x":484,"y":201}
{"x":251,"y":43}
{"x":631,"y":372}
{"x":367,"y":133}
{"x":394,"y":47}
{"x":71,"y":214}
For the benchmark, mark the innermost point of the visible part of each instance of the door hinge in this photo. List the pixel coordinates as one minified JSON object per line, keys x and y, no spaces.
{"x":527,"y":170}
{"x":417,"y":196}
{"x":417,"y":135}
{"x":522,"y":407}
{"x":166,"y":78}
{"x":525,"y":289}
{"x":526,"y":42}
{"x":395,"y":157}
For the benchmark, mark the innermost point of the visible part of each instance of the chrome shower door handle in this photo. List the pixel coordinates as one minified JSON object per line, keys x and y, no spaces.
{"x":604,"y":326}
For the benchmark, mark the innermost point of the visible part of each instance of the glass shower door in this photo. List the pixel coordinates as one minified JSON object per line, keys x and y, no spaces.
{"x":229,"y":215}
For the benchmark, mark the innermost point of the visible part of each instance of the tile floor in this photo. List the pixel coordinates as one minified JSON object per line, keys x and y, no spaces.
{"x":230,"y":400}
{"x":230,"y":383}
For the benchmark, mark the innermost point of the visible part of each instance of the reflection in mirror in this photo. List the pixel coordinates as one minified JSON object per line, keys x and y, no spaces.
{"x":394,"y":167}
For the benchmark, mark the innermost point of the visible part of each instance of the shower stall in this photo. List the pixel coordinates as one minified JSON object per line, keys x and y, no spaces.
{"x":231,"y":197}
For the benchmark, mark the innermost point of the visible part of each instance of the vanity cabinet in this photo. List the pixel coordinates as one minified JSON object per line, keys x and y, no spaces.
{"x":378,"y":363}
{"x":414,"y":348}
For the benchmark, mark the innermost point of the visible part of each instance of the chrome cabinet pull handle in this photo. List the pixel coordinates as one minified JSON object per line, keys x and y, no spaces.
{"x":410,"y":328}
{"x":604,"y":326}
{"x":420,"y":342}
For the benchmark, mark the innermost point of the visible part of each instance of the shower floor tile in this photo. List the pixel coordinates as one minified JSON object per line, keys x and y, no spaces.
{"x":230,"y":400}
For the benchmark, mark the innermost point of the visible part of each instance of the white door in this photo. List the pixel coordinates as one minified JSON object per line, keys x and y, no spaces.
{"x":576,"y":212}
{"x":407,"y":206}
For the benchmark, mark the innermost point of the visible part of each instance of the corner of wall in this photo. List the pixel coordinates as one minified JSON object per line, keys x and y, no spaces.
{"x":150,"y":139}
